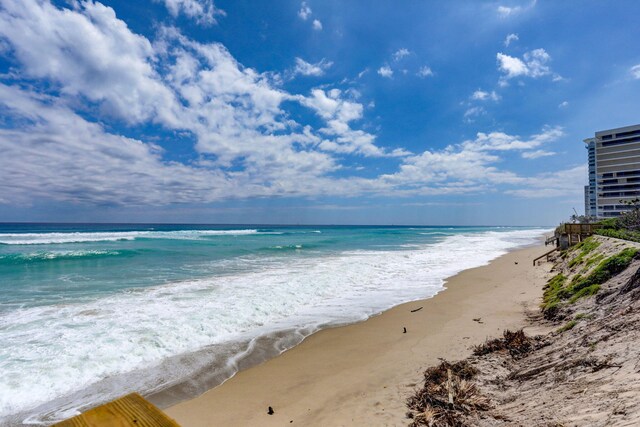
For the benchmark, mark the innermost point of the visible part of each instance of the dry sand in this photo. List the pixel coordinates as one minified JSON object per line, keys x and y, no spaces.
{"x":362,"y":374}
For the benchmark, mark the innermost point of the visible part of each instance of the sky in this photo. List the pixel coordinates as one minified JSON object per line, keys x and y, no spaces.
{"x":309,"y":112}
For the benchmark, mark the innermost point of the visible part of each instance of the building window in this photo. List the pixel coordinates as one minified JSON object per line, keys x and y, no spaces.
{"x":630,"y":133}
{"x":620,"y":141}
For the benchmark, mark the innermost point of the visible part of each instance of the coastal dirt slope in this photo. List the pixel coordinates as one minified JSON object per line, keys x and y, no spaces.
{"x":585,"y":372}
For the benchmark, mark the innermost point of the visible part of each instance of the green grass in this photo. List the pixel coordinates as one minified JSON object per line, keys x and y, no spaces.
{"x":557,"y":291}
{"x":594,"y":259}
{"x":586,"y":247}
{"x":553,"y":291}
{"x":585,"y":292}
{"x":569,"y":325}
{"x":604,"y":271}
{"x":623,"y":234}
{"x":581,"y":316}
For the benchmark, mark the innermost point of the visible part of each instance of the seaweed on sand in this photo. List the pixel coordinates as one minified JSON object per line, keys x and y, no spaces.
{"x":517,"y":343}
{"x":448,"y":396}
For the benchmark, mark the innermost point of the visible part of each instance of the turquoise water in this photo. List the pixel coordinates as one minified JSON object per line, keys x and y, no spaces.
{"x":84,"y":306}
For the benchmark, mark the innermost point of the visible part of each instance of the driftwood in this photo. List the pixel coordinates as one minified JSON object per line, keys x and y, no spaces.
{"x":417,"y":309}
{"x":450,"y":387}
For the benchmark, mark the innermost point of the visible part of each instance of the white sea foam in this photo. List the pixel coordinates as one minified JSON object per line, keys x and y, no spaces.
{"x":53,"y":255}
{"x":48,"y":352}
{"x":75,"y":237}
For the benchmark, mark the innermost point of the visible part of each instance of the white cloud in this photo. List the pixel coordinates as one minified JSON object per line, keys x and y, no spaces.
{"x":307,"y":69}
{"x":452,"y":170}
{"x":480,"y":95}
{"x":62,"y":46}
{"x":230,"y":110}
{"x":203,"y":11}
{"x":533,"y":64}
{"x":425,"y":72}
{"x":243,"y":141}
{"x":385,"y":71}
{"x":513,"y":67}
{"x":537,"y":154}
{"x":317,"y":25}
{"x":59,"y":153}
{"x":564,"y":183}
{"x":400,"y":53}
{"x":500,"y":141}
{"x":537,"y":61}
{"x":563,"y":104}
{"x":510,"y":39}
{"x":471,"y":113}
{"x":471,"y":167}
{"x":635,"y":71}
{"x":304,"y":12}
{"x":338,"y":113}
{"x":507,"y":11}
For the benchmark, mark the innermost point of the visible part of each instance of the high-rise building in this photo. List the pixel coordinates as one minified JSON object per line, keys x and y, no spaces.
{"x":590,"y":190}
{"x":614,"y":171}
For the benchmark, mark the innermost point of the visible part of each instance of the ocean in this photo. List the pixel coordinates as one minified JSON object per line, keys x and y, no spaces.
{"x":89,"y":312}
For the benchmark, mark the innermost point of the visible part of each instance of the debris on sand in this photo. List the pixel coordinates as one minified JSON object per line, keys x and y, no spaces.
{"x":447,"y":397}
{"x":516,"y":343}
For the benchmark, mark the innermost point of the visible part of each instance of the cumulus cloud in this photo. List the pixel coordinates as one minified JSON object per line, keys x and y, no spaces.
{"x":425,"y":72}
{"x":385,"y":71}
{"x":635,"y":71}
{"x":400,"y":53}
{"x":60,"y":45}
{"x":533,"y":64}
{"x":508,"y":11}
{"x":563,"y":104}
{"x":537,"y":154}
{"x":511,"y":66}
{"x":481,"y":95}
{"x":454,"y":169}
{"x":241,"y":139}
{"x":500,"y":141}
{"x":307,"y":69}
{"x":472,"y":166}
{"x":510,"y":39}
{"x":472,"y":112}
{"x":563,"y":183}
{"x":57,"y":154}
{"x":203,"y":11}
{"x":338,"y":113}
{"x":305,"y":11}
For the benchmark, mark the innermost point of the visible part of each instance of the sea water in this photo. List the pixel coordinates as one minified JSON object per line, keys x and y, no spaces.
{"x":90,"y":312}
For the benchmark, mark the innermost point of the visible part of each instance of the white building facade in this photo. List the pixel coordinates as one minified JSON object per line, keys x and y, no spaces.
{"x":614,"y":171}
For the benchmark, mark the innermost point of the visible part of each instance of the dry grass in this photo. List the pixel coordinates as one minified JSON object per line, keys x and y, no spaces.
{"x":430,"y":405}
{"x":517,"y":343}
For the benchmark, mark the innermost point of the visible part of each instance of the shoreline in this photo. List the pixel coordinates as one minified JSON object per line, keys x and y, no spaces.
{"x":364,"y":372}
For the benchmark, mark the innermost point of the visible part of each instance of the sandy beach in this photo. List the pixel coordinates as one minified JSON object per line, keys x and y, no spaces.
{"x":361,"y":374}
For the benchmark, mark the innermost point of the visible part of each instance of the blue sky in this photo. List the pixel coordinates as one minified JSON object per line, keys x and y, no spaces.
{"x":412,"y":112}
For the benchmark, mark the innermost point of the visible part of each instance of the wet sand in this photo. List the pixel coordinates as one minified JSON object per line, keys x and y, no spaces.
{"x":361,"y":374}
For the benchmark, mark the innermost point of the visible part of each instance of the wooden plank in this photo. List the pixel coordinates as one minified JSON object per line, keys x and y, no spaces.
{"x":544,"y":255}
{"x":131,"y":410}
